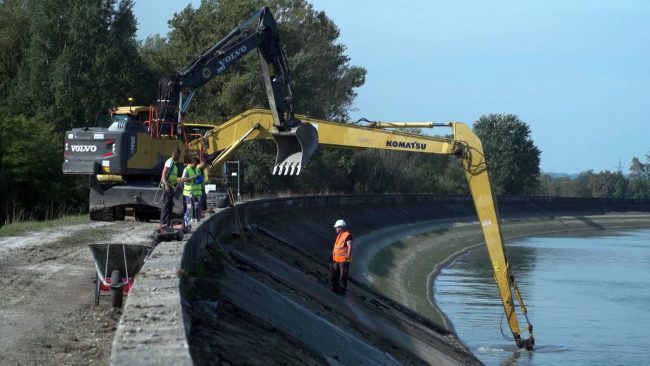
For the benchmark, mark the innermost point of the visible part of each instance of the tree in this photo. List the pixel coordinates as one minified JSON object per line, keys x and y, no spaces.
{"x":82,"y":57}
{"x":323,"y":80}
{"x":639,"y":182}
{"x":14,"y":38}
{"x":511,"y":154}
{"x":548,"y":186}
{"x":32,"y":185}
{"x":60,"y":62}
{"x":621,"y":185}
{"x":607,"y":185}
{"x":452,"y":179}
{"x":582,"y":184}
{"x":332,"y":170}
{"x":638,"y":188}
{"x":639,"y":170}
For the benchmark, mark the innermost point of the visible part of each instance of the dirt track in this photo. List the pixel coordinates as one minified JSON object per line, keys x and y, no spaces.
{"x":47,"y":311}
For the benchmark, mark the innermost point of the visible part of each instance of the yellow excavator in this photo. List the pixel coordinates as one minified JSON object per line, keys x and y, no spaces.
{"x":124,"y":158}
{"x":224,"y":140}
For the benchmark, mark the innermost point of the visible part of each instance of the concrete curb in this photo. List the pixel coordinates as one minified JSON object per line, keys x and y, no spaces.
{"x":151,"y":330}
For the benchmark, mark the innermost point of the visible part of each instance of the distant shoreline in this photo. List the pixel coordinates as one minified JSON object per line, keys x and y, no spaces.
{"x":402,"y":262}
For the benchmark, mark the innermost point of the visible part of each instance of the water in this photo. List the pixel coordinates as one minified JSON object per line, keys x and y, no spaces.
{"x":588,"y":299}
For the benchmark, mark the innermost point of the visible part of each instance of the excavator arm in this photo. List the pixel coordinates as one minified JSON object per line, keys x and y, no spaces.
{"x":222,"y":141}
{"x":259,"y":32}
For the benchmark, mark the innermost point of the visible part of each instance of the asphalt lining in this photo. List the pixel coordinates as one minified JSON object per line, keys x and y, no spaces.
{"x":379,"y":317}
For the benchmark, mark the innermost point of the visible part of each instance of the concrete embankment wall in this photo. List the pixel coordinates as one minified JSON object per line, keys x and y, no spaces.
{"x":308,"y":222}
{"x":305,"y":224}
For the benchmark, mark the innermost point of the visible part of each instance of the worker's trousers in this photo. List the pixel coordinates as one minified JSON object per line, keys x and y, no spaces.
{"x":166,"y":211}
{"x":339,"y":276}
{"x":192,"y":209}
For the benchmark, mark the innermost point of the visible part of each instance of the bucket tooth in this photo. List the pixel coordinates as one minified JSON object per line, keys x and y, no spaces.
{"x":278,"y":169}
{"x":287,"y":168}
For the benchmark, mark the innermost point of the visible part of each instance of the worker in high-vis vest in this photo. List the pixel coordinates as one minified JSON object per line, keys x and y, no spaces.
{"x":191,"y":190}
{"x":341,"y":257}
{"x":168,"y":181}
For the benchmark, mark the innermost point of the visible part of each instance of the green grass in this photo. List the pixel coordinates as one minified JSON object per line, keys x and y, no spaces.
{"x":19,"y":227}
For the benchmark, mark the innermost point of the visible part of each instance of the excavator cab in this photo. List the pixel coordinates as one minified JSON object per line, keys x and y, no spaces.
{"x":294,"y":148}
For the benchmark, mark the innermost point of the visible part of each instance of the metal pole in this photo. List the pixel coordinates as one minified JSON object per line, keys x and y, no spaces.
{"x":238,"y":174}
{"x":180,"y":116}
{"x":180,"y":103}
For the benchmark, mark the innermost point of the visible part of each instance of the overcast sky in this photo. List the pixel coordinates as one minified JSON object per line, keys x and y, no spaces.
{"x":576,"y":71}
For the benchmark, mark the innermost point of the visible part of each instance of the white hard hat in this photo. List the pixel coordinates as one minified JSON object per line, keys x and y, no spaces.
{"x":339,"y":223}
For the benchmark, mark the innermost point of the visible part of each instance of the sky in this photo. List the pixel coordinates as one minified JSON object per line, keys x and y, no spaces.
{"x":576,"y":71}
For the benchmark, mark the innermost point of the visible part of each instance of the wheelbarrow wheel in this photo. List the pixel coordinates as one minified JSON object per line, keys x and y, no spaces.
{"x":117,"y":294}
{"x":98,"y":289}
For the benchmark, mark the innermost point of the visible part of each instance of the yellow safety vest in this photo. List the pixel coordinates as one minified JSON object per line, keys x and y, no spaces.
{"x":172,"y":174}
{"x":192,"y":189}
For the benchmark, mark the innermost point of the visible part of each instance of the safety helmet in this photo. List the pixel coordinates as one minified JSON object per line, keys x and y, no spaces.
{"x":339,"y":223}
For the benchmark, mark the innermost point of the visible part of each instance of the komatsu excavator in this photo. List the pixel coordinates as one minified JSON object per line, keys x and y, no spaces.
{"x":223,"y":140}
{"x":124,"y":161}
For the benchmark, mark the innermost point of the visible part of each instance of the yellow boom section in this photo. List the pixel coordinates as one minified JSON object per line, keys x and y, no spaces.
{"x":222,"y":141}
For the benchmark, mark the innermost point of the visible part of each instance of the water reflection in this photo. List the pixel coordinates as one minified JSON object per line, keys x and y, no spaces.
{"x":589,"y":299}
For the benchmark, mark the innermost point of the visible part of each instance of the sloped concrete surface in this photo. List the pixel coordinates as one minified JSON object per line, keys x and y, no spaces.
{"x":294,"y":319}
{"x":378,"y":315}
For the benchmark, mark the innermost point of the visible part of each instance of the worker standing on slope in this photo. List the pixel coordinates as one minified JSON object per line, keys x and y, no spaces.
{"x":191,"y":190}
{"x":168,"y":181}
{"x":341,"y":256}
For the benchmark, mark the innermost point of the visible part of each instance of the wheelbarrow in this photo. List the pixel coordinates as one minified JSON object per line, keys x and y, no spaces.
{"x":116,"y":266}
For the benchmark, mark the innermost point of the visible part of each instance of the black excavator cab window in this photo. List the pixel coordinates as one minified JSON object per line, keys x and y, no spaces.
{"x":103,"y":120}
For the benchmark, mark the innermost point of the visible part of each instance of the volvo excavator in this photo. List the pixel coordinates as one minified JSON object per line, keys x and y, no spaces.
{"x":124,"y":161}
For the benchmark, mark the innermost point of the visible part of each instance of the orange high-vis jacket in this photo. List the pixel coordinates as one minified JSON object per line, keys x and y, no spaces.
{"x":339,"y":254}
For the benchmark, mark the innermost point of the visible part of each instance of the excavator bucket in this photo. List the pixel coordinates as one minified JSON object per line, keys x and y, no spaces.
{"x":295,"y":147}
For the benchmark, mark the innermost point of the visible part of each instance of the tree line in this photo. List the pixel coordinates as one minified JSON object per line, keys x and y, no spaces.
{"x":62,"y":61}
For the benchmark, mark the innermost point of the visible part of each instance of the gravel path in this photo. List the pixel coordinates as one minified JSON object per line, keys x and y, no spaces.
{"x":47,"y":311}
